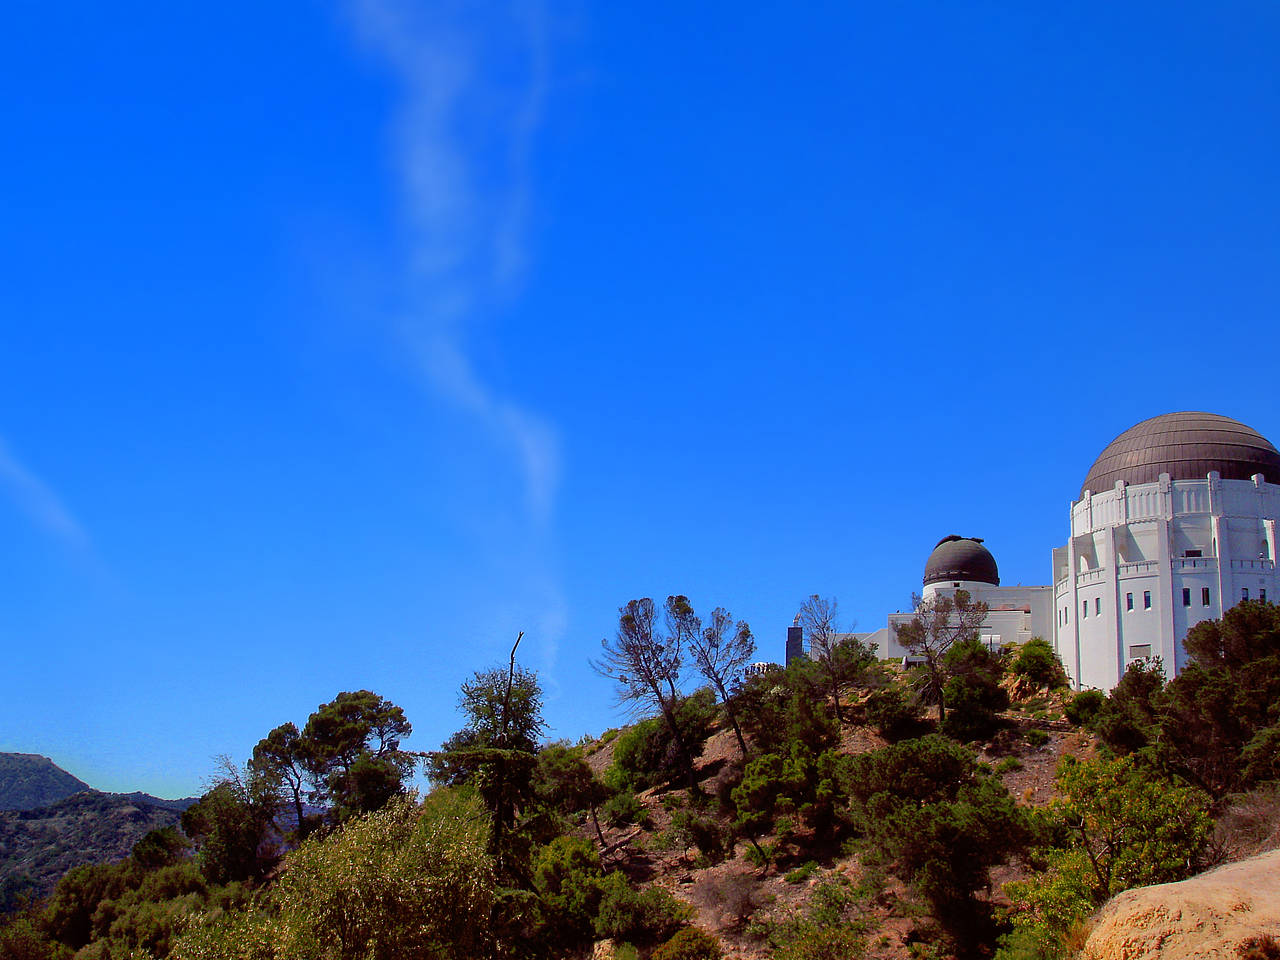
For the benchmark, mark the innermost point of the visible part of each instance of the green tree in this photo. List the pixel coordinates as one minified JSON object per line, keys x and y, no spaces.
{"x":1216,"y":716}
{"x":352,"y":752}
{"x":281,"y":758}
{"x":230,"y":826}
{"x":497,"y":750}
{"x":1118,"y":824}
{"x":1128,"y":720}
{"x":939,"y":622}
{"x":1037,"y":662}
{"x":563,"y":782}
{"x":973,"y":690}
{"x":942,"y":822}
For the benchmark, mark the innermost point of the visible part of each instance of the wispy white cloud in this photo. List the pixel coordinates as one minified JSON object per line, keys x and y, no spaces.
{"x":473,"y":79}
{"x":474,"y":82}
{"x":35,"y":498}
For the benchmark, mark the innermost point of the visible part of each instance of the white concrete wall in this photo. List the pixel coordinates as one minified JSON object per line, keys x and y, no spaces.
{"x":1143,"y":538}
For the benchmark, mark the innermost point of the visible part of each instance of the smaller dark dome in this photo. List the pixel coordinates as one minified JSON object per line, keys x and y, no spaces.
{"x":961,"y":558}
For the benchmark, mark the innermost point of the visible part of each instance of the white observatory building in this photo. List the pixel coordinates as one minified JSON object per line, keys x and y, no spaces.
{"x":1175,"y":523}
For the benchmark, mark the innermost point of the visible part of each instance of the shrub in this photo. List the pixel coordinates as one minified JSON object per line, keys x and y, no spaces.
{"x":644,"y":915}
{"x":895,"y":714}
{"x":1264,"y":947}
{"x":973,"y":706}
{"x":1008,"y":765}
{"x":689,"y":829}
{"x":1121,"y":825}
{"x":831,"y":926}
{"x":1037,"y":738}
{"x":689,"y":944}
{"x":647,"y":753}
{"x":623,"y":808}
{"x":1037,"y":662}
{"x":1084,"y":706}
{"x":802,"y":873}
{"x":565,"y":875}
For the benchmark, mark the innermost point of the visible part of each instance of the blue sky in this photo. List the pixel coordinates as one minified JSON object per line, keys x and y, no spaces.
{"x":340,"y":342}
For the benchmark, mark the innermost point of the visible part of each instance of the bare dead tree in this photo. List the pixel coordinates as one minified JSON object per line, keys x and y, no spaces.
{"x":721,"y":652}
{"x":940,"y":622}
{"x":645,"y":662}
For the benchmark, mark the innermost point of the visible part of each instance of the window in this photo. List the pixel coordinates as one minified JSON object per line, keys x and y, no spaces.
{"x":1146,"y":599}
{"x":1244,"y":594}
{"x":1194,"y":553}
{"x":1128,"y":601}
{"x":1066,"y":615}
{"x":1262,"y":595}
{"x":1139,"y":651}
{"x":1204,"y":596}
{"x":1097,"y":605}
{"x":1084,"y":609}
{"x":1186,"y":596}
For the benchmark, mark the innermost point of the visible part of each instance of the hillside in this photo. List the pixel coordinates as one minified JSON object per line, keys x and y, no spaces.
{"x":39,"y":846}
{"x":28,"y":781}
{"x":734,"y":896}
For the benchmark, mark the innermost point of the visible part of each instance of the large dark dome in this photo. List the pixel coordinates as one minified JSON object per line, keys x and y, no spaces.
{"x":961,"y":558}
{"x":1186,"y":446}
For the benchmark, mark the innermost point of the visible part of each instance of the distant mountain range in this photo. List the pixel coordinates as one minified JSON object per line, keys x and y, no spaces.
{"x":51,"y":821}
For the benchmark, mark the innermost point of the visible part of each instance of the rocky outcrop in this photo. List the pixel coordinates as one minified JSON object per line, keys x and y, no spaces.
{"x":1208,"y":916}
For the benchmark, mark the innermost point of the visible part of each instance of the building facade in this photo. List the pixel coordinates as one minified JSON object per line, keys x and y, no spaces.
{"x":1014,"y":614}
{"x":1175,"y":523}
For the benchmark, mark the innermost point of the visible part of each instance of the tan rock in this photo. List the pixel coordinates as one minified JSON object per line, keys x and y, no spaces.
{"x":1208,"y":916}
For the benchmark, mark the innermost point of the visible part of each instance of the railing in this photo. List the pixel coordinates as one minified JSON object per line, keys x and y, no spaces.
{"x":1091,"y":576}
{"x":1139,"y":566}
{"x":1253,"y":565}
{"x":1195,"y":563}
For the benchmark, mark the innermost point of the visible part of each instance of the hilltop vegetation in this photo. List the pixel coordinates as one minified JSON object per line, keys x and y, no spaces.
{"x":825,"y":810}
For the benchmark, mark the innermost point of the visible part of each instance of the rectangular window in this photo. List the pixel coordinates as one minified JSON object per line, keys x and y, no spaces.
{"x":1186,"y":596}
{"x":1139,"y":651}
{"x":1084,"y":609}
{"x":1146,"y":599}
{"x":1262,"y":595}
{"x":1244,"y":594}
{"x":1097,"y":605}
{"x":1194,"y":553}
{"x":1128,"y":601}
{"x":1066,"y":615}
{"x":1204,"y":596}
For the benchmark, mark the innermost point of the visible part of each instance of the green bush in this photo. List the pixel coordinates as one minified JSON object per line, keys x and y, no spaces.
{"x":689,"y":944}
{"x":647,"y":753}
{"x":566,"y":876}
{"x":689,"y":829}
{"x":895,"y":714}
{"x":973,"y":706}
{"x":1037,"y":738}
{"x":1084,"y":706}
{"x":1008,"y":765}
{"x":1037,"y":662}
{"x":623,"y":808}
{"x":647,"y":915}
{"x":801,"y":873}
